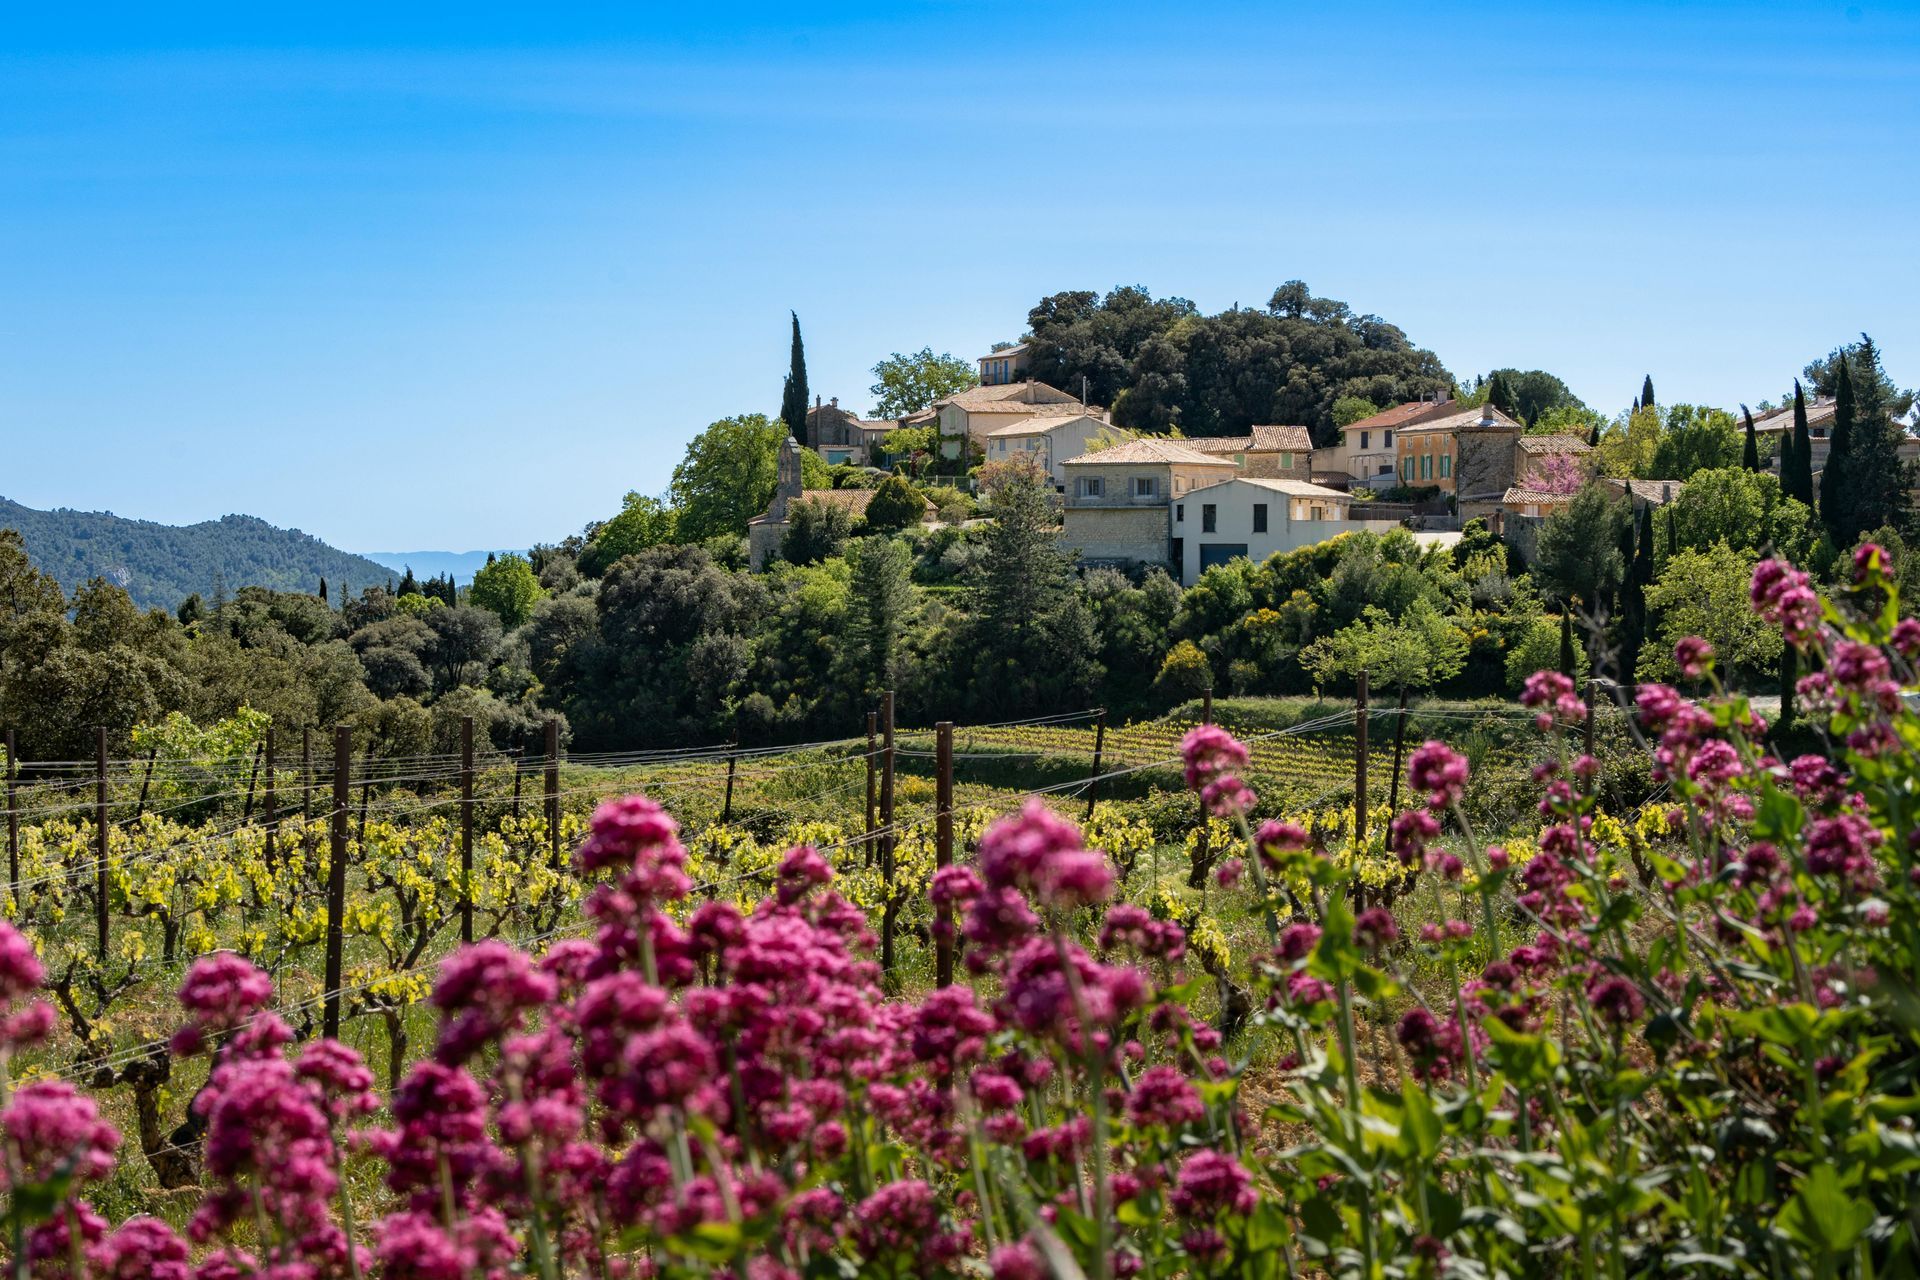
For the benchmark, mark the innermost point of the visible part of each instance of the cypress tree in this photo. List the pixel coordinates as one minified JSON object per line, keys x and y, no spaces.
{"x":1836,"y":503}
{"x":1593,"y":437}
{"x":1646,"y":392}
{"x":1752,"y":458}
{"x":1673,"y":537}
{"x":1566,"y":640}
{"x":793,"y":396}
{"x":1802,"y":447}
{"x":323,"y":588}
{"x":1789,"y":678}
{"x":1633,"y":597}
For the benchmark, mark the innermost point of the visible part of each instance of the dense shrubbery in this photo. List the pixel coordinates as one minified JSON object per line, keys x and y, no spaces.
{"x":1591,"y":1051}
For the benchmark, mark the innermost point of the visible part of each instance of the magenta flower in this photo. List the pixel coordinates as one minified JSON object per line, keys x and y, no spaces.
{"x":1857,"y":666}
{"x":1615,"y":999}
{"x":800,"y":871}
{"x":1694,"y":657}
{"x":1164,"y":1097}
{"x":1210,"y":751}
{"x":1440,"y":772}
{"x":53,"y":1126}
{"x":141,"y":1249}
{"x":484,"y":993}
{"x":222,"y":992}
{"x":1016,"y":1261}
{"x":1212,"y":1182}
{"x":1375,"y":929}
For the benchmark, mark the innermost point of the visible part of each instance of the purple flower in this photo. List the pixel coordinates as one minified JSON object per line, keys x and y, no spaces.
{"x":141,"y":1249}
{"x":800,"y":871}
{"x":1212,"y":1182}
{"x":1016,"y":1261}
{"x":1162,"y":1096}
{"x":1615,"y":999}
{"x":1374,"y":928}
{"x":222,"y":991}
{"x":1439,"y":771}
{"x":483,"y":994}
{"x":1857,"y":666}
{"x":1694,"y":657}
{"x":52,"y":1126}
{"x":1210,"y":751}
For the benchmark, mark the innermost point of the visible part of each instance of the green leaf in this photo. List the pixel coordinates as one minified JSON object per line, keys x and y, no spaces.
{"x":1419,"y":1123}
{"x":1822,"y":1216}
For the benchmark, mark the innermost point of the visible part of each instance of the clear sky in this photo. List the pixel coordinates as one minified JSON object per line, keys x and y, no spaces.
{"x":460,"y":276}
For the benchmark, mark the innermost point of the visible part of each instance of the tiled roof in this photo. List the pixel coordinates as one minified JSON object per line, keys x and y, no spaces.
{"x":1544,"y":445}
{"x":1517,"y":496}
{"x":1005,"y":353}
{"x":1483,"y":418}
{"x":854,"y":500}
{"x":1781,"y":419}
{"x":1658,"y":492}
{"x":1008,"y":397}
{"x":1278,"y":439}
{"x":1402,"y":415}
{"x":1148,"y":449}
{"x":1294,"y":488}
{"x":1041,"y":423}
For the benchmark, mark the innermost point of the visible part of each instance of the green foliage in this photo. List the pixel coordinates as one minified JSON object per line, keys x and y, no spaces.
{"x":727,"y":476}
{"x":1694,"y":438}
{"x":1627,"y":447}
{"x":895,"y":505}
{"x":1531,"y":393}
{"x":1538,"y":649}
{"x":507,"y":587}
{"x":794,"y":397}
{"x":909,"y":383}
{"x":1414,"y":650}
{"x":1578,"y":553}
{"x":1184,"y":672}
{"x":881,"y":601}
{"x":1744,"y":510}
{"x":1865,"y":483}
{"x":1350,"y":409}
{"x":1704,"y":592}
{"x":815,"y":530}
{"x":642,"y":522}
{"x":1160,"y":363}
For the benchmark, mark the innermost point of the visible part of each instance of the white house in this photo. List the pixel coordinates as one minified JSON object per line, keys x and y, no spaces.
{"x":1049,"y":440}
{"x":976,"y":413}
{"x":1256,"y":517}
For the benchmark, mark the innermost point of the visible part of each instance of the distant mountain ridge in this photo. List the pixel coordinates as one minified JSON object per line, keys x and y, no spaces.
{"x":160,"y":565}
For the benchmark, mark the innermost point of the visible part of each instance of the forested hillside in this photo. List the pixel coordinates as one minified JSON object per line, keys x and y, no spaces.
{"x":160,"y":565}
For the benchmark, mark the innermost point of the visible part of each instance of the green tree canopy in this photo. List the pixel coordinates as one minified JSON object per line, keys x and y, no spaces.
{"x":1703,"y":592}
{"x":1414,"y":650}
{"x":1741,"y":509}
{"x":642,"y":522}
{"x":1578,"y":554}
{"x":507,"y":587}
{"x":909,"y":383}
{"x":1351,"y":409}
{"x":1694,"y":438}
{"x":727,"y":477}
{"x":895,"y":505}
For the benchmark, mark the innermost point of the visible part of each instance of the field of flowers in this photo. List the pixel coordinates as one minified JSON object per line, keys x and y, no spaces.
{"x":1683,"y":1041}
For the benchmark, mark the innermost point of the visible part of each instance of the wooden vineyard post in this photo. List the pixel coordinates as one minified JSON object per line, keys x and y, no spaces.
{"x":553,"y":791}
{"x":873,"y":763}
{"x":1360,"y":758}
{"x":887,"y":841}
{"x":366,"y":794}
{"x":733,"y":760}
{"x":100,"y":844}
{"x":270,"y":798}
{"x":1099,"y":749}
{"x":943,"y":848}
{"x":516,"y":784}
{"x":1399,"y":743}
{"x":13,"y":820}
{"x":337,"y":877}
{"x":1586,"y":740}
{"x":466,"y":828}
{"x":1206,"y":705}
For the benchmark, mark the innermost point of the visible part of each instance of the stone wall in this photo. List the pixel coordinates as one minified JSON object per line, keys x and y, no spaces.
{"x":1130,"y":535}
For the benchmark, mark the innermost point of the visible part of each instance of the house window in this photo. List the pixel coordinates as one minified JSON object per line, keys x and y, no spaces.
{"x":1319,"y":513}
{"x":1286,"y":460}
{"x":1092,"y":487}
{"x":1406,"y":469}
{"x":1146,"y":486}
{"x":1209,"y":517}
{"x":1426,"y":466}
{"x":1363,"y":438}
{"x":1386,"y":440}
{"x":1179,"y":513}
{"x":1259,"y":517}
{"x":1446,"y":466}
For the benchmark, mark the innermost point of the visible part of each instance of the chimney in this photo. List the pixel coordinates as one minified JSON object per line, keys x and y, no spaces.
{"x":816,"y":402}
{"x":836,"y":402}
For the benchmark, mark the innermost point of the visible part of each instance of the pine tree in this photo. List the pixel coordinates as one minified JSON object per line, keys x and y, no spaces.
{"x":1802,"y":487}
{"x":1836,"y":497}
{"x":793,"y":396}
{"x":1751,"y":460}
{"x":1646,"y":392}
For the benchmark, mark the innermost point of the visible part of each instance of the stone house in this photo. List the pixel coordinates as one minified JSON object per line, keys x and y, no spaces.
{"x":1368,"y":453}
{"x":840,"y":436}
{"x":1119,"y":501}
{"x":1466,"y":451}
{"x":975,"y":414}
{"x":1284,"y":453}
{"x":1050,"y":441}
{"x":1008,"y":364}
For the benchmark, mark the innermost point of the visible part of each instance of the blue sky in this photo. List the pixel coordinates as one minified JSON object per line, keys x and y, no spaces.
{"x":461,"y":276}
